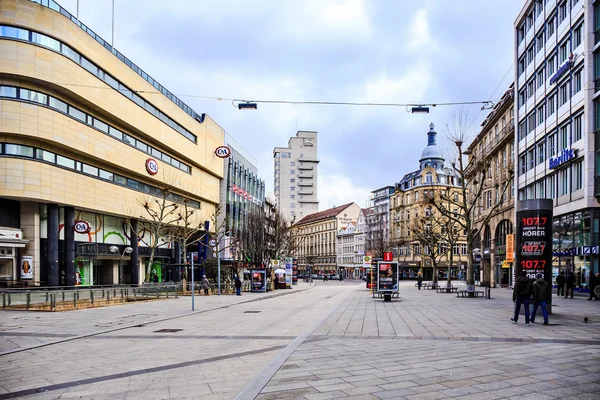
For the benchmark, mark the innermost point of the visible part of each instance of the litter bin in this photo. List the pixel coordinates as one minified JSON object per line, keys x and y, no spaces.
{"x":487,"y":292}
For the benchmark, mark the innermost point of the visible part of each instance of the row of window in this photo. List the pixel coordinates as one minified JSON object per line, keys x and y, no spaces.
{"x":563,"y":94}
{"x":29,"y":152}
{"x":562,"y":182}
{"x":457,"y":249}
{"x":51,"y":4}
{"x":556,"y":59}
{"x":59,"y":47}
{"x":551,"y":145}
{"x":545,"y":111}
{"x":12,"y":92}
{"x":552,"y":22}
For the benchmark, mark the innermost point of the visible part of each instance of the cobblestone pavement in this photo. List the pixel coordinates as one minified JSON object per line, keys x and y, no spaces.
{"x":329,"y":341}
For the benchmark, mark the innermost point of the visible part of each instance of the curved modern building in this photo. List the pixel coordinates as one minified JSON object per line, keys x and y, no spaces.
{"x":86,"y":137}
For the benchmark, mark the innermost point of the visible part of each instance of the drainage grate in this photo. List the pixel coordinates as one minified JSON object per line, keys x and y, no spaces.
{"x":167,"y":330}
{"x":251,"y":312}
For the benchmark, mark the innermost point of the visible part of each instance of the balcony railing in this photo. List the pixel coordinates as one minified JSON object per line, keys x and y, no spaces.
{"x":305,"y":193}
{"x":307,"y":184}
{"x":306,"y":176}
{"x":305,"y":167}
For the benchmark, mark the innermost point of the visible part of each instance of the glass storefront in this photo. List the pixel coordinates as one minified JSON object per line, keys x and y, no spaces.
{"x":575,"y":240}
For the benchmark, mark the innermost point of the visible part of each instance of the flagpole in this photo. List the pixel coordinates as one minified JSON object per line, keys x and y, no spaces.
{"x":112,"y":43}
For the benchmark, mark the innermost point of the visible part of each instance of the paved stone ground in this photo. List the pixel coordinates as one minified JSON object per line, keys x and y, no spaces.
{"x":329,"y":341}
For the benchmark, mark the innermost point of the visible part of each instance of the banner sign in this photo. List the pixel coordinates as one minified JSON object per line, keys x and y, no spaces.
{"x":510,"y":248}
{"x":288,"y":272}
{"x":26,"y":267}
{"x":258,"y":279}
{"x":534,"y":238}
{"x":387,"y":276}
{"x":244,"y":194}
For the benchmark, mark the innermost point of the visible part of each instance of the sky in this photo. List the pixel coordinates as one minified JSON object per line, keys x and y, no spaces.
{"x":381,"y":51}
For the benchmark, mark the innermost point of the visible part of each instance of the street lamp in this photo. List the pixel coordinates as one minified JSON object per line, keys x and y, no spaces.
{"x":126,"y":250}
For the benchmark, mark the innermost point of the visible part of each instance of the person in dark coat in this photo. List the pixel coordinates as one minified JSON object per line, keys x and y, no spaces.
{"x":560,"y":283}
{"x":593,"y":284}
{"x":238,"y":286}
{"x":419,"y":281}
{"x":521,"y":294}
{"x":540,"y":297}
{"x":570,"y":284}
{"x":276,"y":280}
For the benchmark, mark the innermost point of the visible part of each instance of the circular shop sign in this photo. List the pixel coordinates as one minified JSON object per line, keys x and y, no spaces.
{"x":81,"y":227}
{"x":212,"y":242}
{"x":152,"y":166}
{"x":222,"y":151}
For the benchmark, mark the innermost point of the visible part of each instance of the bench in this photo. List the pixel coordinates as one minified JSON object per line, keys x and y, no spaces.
{"x":446,"y":289}
{"x":465,"y":293}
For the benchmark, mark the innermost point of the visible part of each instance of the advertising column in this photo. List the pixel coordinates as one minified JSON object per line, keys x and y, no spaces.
{"x":534,"y":240}
{"x":288,"y":273}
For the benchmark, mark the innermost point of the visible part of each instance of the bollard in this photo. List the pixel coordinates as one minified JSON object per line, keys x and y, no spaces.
{"x":53,"y":301}
{"x":108,"y":297}
{"x":92,"y":296}
{"x":28,"y":297}
{"x":75,"y":300}
{"x":3,"y":300}
{"x":63,"y":295}
{"x":47,"y":296}
{"x":487,"y":292}
{"x":122,"y":297}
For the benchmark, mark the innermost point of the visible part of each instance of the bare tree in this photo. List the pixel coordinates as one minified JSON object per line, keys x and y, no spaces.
{"x":252,"y":242}
{"x":460,"y":210}
{"x":377,"y":240}
{"x":161,"y":215}
{"x":282,"y":239}
{"x":428,"y":233}
{"x":189,"y":229}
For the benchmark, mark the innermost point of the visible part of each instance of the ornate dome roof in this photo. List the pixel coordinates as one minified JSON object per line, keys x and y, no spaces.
{"x":432,"y":151}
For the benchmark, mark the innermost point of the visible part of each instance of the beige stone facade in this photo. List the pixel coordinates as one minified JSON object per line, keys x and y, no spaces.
{"x":78,"y":127}
{"x":418,"y":231}
{"x":316,"y":237}
{"x":492,"y":151}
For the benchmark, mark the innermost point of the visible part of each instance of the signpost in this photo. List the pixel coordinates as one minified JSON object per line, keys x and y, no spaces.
{"x":534,"y":240}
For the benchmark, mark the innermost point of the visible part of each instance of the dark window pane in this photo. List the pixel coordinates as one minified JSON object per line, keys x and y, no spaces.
{"x":45,"y":155}
{"x":59,"y":105}
{"x":77,"y":114}
{"x":101,"y":125}
{"x":8,"y":91}
{"x":121,"y":180}
{"x":106,"y":175}
{"x":15,"y":33}
{"x":133,"y":184}
{"x":65,"y":162}
{"x":128,"y":139}
{"x":142,"y":146}
{"x":88,"y":169}
{"x":115,"y":132}
{"x":18,"y":150}
{"x":45,"y":41}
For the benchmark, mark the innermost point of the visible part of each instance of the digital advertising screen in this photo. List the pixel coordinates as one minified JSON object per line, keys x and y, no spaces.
{"x":387,"y":276}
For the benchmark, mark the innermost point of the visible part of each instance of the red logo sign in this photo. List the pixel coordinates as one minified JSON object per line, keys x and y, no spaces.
{"x":152,"y":166}
{"x":222,"y":151}
{"x":81,"y":227}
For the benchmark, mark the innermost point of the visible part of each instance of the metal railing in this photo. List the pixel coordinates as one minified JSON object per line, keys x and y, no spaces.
{"x":54,"y":298}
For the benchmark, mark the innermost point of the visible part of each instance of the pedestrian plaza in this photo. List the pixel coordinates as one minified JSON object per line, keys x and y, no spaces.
{"x":321,"y":341}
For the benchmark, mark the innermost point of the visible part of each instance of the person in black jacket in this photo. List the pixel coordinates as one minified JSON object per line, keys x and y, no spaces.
{"x":593,"y":284}
{"x":521,"y":295}
{"x":570,"y":284}
{"x":238,"y":286}
{"x":541,"y":294}
{"x":560,"y":283}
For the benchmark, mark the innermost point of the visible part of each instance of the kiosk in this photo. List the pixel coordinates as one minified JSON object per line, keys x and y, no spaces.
{"x":258,"y":280}
{"x":387,"y":279}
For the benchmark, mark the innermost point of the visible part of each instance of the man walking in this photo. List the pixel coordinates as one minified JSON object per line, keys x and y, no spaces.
{"x":560,"y":283}
{"x":540,"y":297}
{"x":521,"y":294}
{"x":593,"y":284}
{"x":419,"y":281}
{"x":570,"y":284}
{"x":238,"y":286}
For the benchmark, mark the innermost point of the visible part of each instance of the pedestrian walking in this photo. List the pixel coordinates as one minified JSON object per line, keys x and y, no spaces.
{"x":521,"y":294}
{"x":560,"y":283}
{"x":238,"y":286}
{"x":540,"y":297}
{"x":570,"y":284}
{"x":593,"y":284}
{"x":276,"y":280}
{"x":419,"y":281}
{"x":205,"y":285}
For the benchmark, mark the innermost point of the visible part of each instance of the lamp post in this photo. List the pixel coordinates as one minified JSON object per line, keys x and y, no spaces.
{"x":126,"y":250}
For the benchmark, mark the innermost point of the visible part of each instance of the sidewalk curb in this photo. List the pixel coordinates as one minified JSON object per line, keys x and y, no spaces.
{"x":136,"y":325}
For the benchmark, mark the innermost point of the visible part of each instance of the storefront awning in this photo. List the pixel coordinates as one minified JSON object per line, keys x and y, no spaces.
{"x":13,"y":243}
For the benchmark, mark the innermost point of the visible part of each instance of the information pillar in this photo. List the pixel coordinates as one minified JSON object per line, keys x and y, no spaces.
{"x":534,"y":240}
